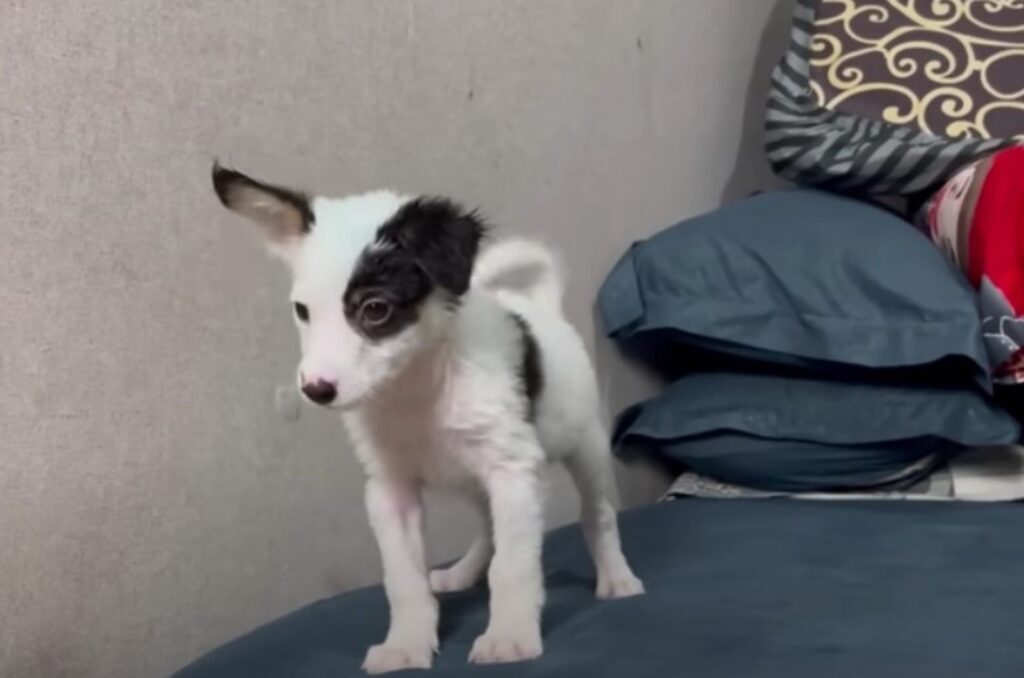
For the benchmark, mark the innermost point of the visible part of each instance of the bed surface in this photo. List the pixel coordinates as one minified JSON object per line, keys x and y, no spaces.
{"x":765,"y":588}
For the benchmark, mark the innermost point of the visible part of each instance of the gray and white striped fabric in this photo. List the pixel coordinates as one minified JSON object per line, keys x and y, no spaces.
{"x":810,"y":144}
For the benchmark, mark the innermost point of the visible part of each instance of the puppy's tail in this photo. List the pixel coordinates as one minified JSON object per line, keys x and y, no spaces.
{"x":523,"y":267}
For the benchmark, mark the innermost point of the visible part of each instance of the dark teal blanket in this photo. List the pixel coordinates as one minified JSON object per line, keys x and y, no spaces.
{"x":736,"y":589}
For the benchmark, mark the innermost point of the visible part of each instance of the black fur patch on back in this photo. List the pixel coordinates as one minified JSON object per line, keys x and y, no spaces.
{"x":441,"y":237}
{"x":531,"y":377}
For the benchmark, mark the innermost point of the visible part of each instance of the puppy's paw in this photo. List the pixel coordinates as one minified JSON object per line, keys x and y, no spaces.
{"x":451,"y":579}
{"x":619,"y":585}
{"x":498,"y":648}
{"x":394,"y":656}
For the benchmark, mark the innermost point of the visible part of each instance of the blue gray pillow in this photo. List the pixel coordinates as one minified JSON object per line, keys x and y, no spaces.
{"x":797,"y":277}
{"x":788,"y":433}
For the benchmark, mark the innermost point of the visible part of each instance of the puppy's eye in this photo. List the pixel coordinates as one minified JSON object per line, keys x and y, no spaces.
{"x":301,"y":312}
{"x":375,"y":312}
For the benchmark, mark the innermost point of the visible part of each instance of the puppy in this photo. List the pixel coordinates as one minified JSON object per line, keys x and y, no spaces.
{"x":445,"y":374}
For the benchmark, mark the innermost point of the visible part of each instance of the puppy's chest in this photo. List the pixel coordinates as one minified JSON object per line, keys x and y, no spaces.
{"x":438,"y":445}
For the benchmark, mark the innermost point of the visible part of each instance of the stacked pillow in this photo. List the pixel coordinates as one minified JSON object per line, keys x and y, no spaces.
{"x":814,"y":343}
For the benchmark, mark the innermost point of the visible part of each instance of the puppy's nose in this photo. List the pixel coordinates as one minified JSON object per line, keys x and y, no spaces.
{"x":320,"y":392}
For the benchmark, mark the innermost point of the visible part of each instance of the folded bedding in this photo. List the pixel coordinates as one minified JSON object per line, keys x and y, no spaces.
{"x":989,"y":474}
{"x":937,"y":485}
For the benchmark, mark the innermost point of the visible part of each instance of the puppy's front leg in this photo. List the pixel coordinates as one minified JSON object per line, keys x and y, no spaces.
{"x":396,"y":516}
{"x":516,"y":581}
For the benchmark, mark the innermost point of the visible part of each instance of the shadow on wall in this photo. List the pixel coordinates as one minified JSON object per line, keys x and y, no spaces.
{"x":641,"y":481}
{"x":751,"y":171}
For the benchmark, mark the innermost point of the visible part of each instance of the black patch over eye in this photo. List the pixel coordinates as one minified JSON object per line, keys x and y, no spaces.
{"x":301,"y":312}
{"x":384,"y":294}
{"x":375,"y":312}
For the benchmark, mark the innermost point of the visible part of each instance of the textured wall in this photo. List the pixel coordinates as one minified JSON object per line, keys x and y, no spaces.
{"x":152,"y":502}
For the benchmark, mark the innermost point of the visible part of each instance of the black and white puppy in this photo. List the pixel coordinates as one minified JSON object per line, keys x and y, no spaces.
{"x":444,"y":375}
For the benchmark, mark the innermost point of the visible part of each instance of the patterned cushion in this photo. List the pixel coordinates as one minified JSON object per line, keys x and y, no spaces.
{"x":892,"y":96}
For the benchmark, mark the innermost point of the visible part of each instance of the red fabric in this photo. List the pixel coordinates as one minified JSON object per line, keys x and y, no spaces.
{"x":996,"y":241}
{"x":987,"y":244}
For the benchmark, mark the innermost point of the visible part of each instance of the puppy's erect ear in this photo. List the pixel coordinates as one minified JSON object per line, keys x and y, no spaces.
{"x":441,"y":236}
{"x":285,"y":214}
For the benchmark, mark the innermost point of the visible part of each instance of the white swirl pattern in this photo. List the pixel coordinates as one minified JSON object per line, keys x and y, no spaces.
{"x":952,"y":68}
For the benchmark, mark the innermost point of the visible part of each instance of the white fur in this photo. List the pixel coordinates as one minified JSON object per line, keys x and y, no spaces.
{"x":440,"y":404}
{"x":519,"y":256}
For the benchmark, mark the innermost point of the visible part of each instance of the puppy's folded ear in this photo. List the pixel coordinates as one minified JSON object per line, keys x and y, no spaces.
{"x":441,"y":236}
{"x":286,"y":215}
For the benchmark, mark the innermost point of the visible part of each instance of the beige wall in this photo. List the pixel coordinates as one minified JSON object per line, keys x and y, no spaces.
{"x":152,"y":502}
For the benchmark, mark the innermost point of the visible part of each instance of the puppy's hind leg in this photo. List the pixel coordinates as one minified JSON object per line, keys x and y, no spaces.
{"x":590,"y":468}
{"x":471,"y":568}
